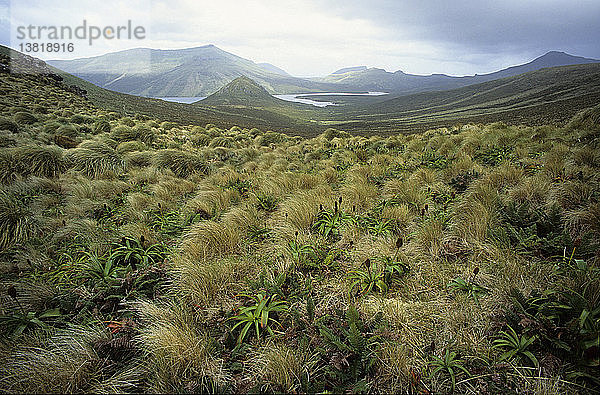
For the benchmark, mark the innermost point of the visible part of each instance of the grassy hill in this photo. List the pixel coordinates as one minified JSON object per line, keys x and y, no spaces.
{"x":146,"y":256}
{"x":198,"y":71}
{"x":551,"y":95}
{"x":242,"y":92}
{"x":374,"y":79}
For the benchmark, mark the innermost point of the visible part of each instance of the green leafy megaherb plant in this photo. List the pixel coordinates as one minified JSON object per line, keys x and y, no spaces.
{"x":259,"y":315}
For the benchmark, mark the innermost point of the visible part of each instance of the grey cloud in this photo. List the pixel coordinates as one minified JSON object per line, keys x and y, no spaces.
{"x":487,"y":26}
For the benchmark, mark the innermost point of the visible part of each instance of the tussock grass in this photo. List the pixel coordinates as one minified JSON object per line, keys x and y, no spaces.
{"x":476,"y":213}
{"x":39,"y":161}
{"x":211,"y":238}
{"x":394,"y":368}
{"x":153,"y":239}
{"x":67,"y":363}
{"x":358,"y":192}
{"x":409,"y":192}
{"x":280,"y":368}
{"x":430,"y":237}
{"x":183,"y":357}
{"x":201,"y":282}
{"x":300,"y":210}
{"x":96,"y":159}
{"x":17,"y":220}
{"x":211,"y":202}
{"x":183,"y":164}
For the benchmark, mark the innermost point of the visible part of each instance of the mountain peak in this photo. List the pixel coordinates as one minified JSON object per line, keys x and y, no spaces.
{"x":240,"y":91}
{"x":559,"y":58}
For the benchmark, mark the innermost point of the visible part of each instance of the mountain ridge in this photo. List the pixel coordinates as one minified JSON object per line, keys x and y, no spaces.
{"x":196,"y":71}
{"x":400,"y":82}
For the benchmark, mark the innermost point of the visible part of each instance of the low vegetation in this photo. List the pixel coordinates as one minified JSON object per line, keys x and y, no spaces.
{"x":146,"y":256}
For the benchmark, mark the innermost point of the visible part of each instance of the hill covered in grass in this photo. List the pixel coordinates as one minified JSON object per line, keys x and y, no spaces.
{"x":142,"y":255}
{"x":242,"y":91}
{"x":551,"y":95}
{"x":375,"y":79}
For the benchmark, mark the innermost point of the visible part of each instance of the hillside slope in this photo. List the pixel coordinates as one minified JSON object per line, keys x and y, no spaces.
{"x":551,"y":95}
{"x":242,"y":91}
{"x":374,"y":79}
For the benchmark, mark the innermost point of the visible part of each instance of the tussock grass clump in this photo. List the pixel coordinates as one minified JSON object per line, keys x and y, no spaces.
{"x":280,"y":368}
{"x":182,"y":163}
{"x":586,"y":119}
{"x":130,"y":146}
{"x":41,"y":161}
{"x":138,"y":158}
{"x":8,"y":124}
{"x":139,"y":132}
{"x":69,"y":362}
{"x":25,"y":118}
{"x":358,"y":191}
{"x":183,"y":357}
{"x":222,"y":141}
{"x":475,"y":215}
{"x":394,"y":368}
{"x":67,"y":130}
{"x":17,"y":220}
{"x":101,"y":126}
{"x":96,"y":159}
{"x":300,"y":210}
{"x":211,"y":238}
{"x":200,"y":140}
{"x":201,"y":282}
{"x":210,"y":203}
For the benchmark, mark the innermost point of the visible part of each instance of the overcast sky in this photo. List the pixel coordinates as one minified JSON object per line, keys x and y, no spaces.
{"x":316,"y":37}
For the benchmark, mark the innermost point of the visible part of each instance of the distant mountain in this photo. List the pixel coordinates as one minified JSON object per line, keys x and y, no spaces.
{"x":550,"y":59}
{"x":402,"y":83}
{"x":241,"y":92}
{"x":350,"y":69}
{"x":198,"y":71}
{"x":547,"y":96}
{"x":273,"y":69}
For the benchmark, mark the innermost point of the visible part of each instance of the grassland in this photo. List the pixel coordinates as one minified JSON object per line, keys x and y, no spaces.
{"x":143,"y":255}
